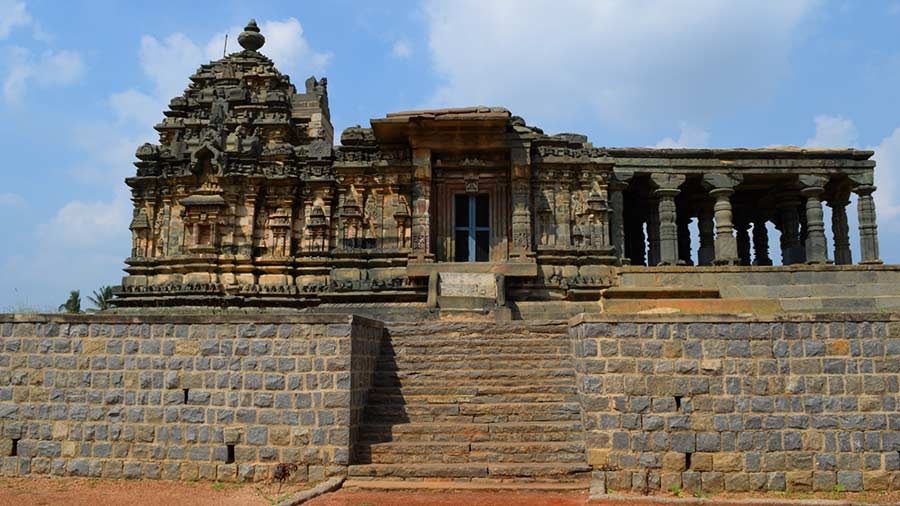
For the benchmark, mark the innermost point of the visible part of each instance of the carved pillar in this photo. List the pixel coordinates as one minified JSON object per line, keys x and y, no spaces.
{"x":706,"y":255}
{"x":635,"y":240}
{"x":743,"y":241}
{"x":868,"y":227}
{"x":421,"y":212}
{"x":816,"y":247}
{"x":790,"y":228}
{"x":521,"y":202}
{"x":722,"y":188}
{"x":761,"y":242}
{"x":653,"y":257}
{"x":667,"y":188}
{"x":841,"y":230}
{"x":683,"y":221}
{"x":617,"y":185}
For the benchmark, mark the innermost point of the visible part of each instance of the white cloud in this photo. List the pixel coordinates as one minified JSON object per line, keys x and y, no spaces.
{"x":52,"y":68}
{"x":401,"y":50}
{"x":9,"y":199}
{"x":833,"y":132}
{"x":12,"y":15}
{"x":887,"y":177}
{"x":88,"y":224}
{"x":621,"y":61}
{"x":689,"y":137}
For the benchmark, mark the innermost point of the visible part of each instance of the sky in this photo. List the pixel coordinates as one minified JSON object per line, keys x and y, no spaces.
{"x":83,"y":82}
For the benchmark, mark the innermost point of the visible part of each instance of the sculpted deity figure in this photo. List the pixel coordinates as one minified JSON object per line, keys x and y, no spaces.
{"x":218,"y":112}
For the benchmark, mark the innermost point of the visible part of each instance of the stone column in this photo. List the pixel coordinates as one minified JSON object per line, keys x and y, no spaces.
{"x":706,"y":255}
{"x":868,"y":227}
{"x":521,"y":203}
{"x":683,"y":222}
{"x":653,"y":257}
{"x":722,"y":188}
{"x":790,"y":228}
{"x":421,"y":205}
{"x":816,"y":247}
{"x":760,"y":243}
{"x":743,"y":242}
{"x":617,"y":185}
{"x":841,"y":230}
{"x":667,"y":188}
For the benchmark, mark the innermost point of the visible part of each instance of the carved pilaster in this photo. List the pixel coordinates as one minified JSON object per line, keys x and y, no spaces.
{"x":617,"y":185}
{"x":421,"y":212}
{"x":868,"y":226}
{"x":816,"y":247}
{"x":521,"y":199}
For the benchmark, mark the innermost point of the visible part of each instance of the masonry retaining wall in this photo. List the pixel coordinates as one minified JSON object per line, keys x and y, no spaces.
{"x":191,"y":397}
{"x":734,"y":404}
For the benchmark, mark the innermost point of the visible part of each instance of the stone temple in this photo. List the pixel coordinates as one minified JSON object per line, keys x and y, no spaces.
{"x":456,"y":295}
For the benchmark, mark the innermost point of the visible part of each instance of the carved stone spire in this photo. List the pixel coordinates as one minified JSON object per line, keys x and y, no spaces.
{"x":250,"y":39}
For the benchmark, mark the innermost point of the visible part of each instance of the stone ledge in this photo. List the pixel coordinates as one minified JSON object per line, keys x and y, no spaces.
{"x":732,"y":318}
{"x":199,"y":319}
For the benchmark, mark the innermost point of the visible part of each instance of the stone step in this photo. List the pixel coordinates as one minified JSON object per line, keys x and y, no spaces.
{"x":483,"y":484}
{"x":441,"y":452}
{"x":463,"y":376}
{"x":483,"y":388}
{"x":471,"y":432}
{"x":423,"y":365}
{"x":549,"y":471}
{"x":544,"y":411}
{"x":693,"y":306}
{"x":380,"y":397}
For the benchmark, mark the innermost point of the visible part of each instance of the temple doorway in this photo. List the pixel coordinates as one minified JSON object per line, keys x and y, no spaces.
{"x":471,"y":227}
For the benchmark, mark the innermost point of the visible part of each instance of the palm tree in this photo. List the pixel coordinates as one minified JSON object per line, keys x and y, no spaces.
{"x":101,"y":298}
{"x":73,"y":305}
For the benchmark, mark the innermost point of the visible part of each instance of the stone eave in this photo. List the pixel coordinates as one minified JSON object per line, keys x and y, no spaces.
{"x":786,"y":152}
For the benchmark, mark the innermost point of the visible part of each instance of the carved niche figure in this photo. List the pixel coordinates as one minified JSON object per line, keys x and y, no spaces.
{"x":370,"y":215}
{"x":402,"y":216}
{"x":218,"y":111}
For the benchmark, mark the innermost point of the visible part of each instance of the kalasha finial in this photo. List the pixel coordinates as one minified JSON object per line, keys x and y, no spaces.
{"x":250,"y":39}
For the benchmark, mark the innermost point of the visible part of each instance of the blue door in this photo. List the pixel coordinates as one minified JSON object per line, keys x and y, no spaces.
{"x":471,"y":227}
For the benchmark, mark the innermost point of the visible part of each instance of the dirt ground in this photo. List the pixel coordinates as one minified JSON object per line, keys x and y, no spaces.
{"x":345,"y":498}
{"x":90,"y":492}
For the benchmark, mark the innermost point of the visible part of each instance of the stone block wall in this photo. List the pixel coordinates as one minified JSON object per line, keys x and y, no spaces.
{"x":729,"y":404}
{"x":181,"y":397}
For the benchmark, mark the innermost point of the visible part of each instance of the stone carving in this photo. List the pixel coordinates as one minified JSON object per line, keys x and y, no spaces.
{"x":246,"y":189}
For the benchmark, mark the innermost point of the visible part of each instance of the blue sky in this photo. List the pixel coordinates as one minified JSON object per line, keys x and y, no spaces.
{"x":81,"y":84}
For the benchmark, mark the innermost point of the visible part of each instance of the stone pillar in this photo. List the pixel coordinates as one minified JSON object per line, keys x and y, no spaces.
{"x":653,"y":257}
{"x":790,"y":228}
{"x":760,"y":243}
{"x":683,"y":222}
{"x":421,"y":212}
{"x":868,"y":227}
{"x":637,"y":246}
{"x":841,"y":230}
{"x":816,"y":247}
{"x":617,"y":185}
{"x":667,"y":188}
{"x":722,"y":188}
{"x":706,"y":255}
{"x":521,"y":203}
{"x":743,"y":242}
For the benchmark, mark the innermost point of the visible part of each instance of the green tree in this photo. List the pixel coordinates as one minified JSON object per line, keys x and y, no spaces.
{"x":73,"y":305}
{"x":101,"y":298}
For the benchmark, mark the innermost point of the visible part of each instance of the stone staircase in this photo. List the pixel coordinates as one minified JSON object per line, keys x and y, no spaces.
{"x":476,"y":402}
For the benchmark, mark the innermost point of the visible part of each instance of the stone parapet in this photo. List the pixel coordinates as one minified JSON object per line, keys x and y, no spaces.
{"x":723,"y":403}
{"x":182,"y":397}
